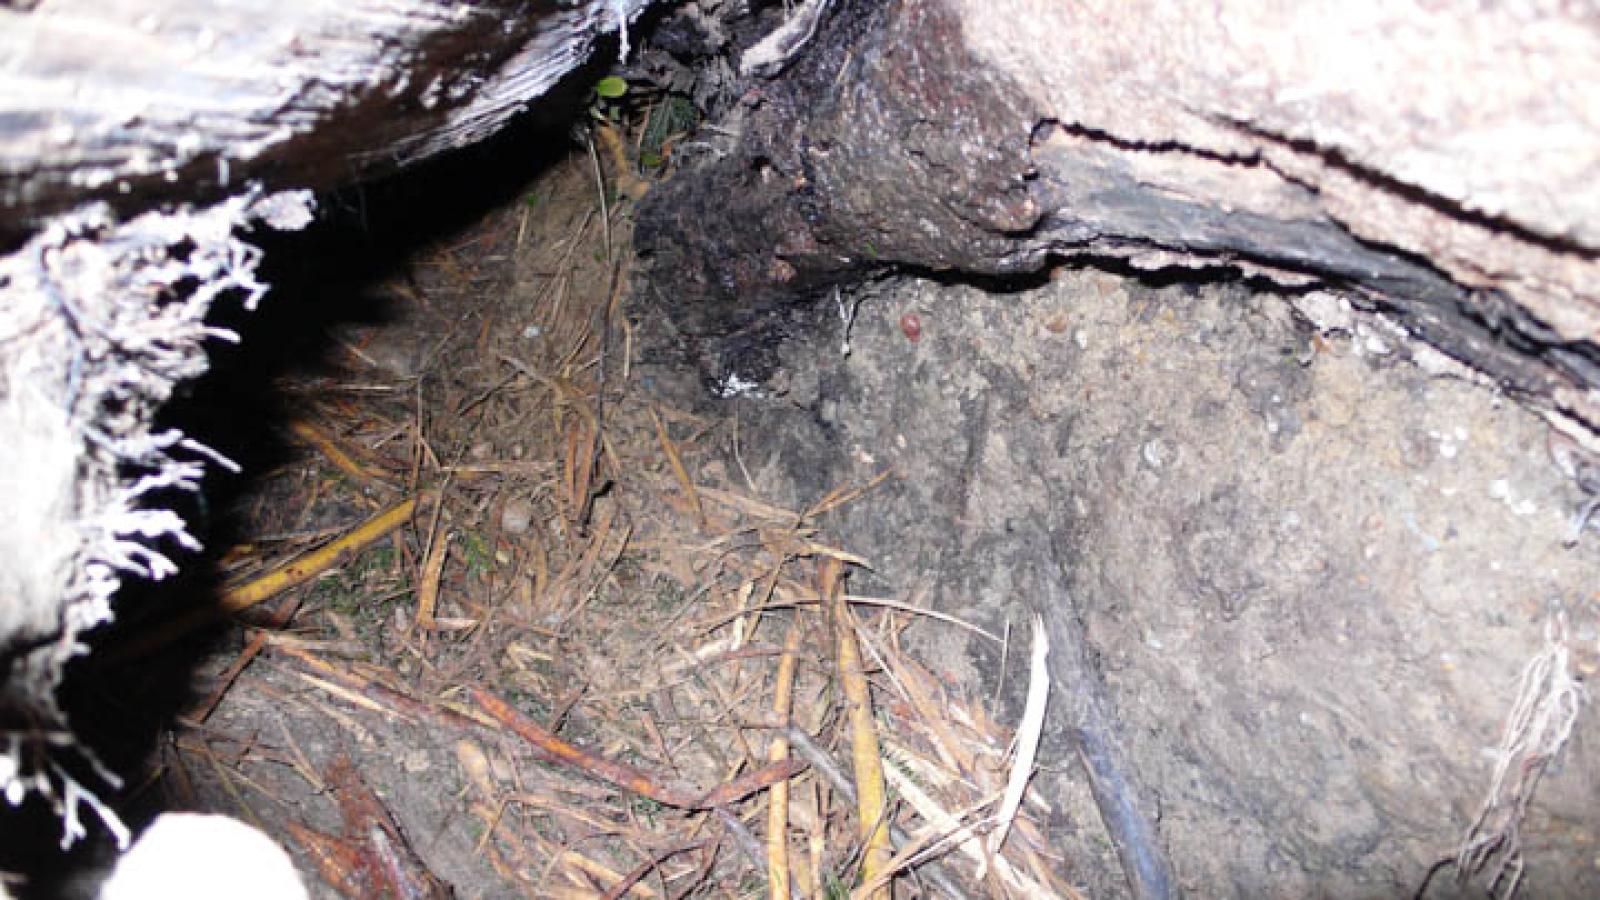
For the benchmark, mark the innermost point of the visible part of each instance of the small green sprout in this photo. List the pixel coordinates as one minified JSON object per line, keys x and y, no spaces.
{"x":606,"y":105}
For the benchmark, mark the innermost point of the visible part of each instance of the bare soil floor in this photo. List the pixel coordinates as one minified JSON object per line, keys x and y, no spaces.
{"x":1322,"y":571}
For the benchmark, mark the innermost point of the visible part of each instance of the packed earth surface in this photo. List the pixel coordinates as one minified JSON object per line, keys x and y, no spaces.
{"x":1310,"y":562}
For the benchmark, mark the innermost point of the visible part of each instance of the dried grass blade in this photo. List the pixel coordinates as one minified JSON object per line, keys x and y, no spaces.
{"x":678,"y":469}
{"x":864,"y":752}
{"x":428,"y":591}
{"x":778,"y":800}
{"x":1027,"y":742}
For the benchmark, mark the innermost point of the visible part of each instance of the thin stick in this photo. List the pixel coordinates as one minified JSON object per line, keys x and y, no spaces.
{"x":630,"y":777}
{"x":291,"y":574}
{"x":637,"y":875}
{"x":778,"y":801}
{"x":864,"y":752}
{"x":428,"y":591}
{"x":679,"y":470}
{"x":329,"y":446}
{"x":280,"y":618}
{"x":318,"y":561}
{"x":823,"y":765}
{"x":600,"y":188}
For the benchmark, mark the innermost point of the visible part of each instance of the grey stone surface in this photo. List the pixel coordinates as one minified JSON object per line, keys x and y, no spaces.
{"x":1309,"y":572}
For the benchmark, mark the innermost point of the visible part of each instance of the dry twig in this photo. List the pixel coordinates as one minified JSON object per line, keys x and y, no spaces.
{"x":871,"y":810}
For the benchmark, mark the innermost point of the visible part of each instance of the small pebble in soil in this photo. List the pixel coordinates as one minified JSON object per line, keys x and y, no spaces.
{"x":516,"y":516}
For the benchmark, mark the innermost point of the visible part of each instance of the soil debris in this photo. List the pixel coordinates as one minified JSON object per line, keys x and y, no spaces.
{"x":531,"y":636}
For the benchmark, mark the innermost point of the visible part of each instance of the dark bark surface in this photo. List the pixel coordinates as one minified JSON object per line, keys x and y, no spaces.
{"x":885,"y":144}
{"x":144,"y":103}
{"x":888,"y":146}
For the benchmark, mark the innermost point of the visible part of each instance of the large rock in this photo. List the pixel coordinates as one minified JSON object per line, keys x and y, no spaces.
{"x":1281,"y":582}
{"x":1299,"y":579}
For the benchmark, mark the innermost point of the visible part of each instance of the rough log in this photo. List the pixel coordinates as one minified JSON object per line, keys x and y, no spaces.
{"x":1441,"y":161}
{"x":135,"y":101}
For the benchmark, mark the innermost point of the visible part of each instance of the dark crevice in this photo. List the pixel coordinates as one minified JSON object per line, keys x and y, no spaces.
{"x":1414,"y":194}
{"x":1042,"y":131}
{"x":325,"y":279}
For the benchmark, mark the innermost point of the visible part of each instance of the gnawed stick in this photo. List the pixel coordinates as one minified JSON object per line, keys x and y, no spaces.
{"x":824,"y":765}
{"x":291,"y":574}
{"x":778,"y":801}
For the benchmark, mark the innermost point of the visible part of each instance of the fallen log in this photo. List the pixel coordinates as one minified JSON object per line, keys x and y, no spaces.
{"x":139,"y":102}
{"x":1440,"y":163}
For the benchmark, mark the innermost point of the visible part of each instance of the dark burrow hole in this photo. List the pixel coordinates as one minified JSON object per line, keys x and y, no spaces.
{"x":326,"y":279}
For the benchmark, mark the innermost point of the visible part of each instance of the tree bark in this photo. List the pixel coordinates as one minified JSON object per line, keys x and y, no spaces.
{"x":137,"y":102}
{"x":1438,"y":164}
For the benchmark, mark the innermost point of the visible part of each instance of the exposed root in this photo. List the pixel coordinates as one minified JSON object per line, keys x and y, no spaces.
{"x":1538,"y":726}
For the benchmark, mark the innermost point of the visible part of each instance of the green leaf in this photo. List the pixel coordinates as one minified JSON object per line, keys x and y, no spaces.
{"x":650,"y":160}
{"x":611,"y":87}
